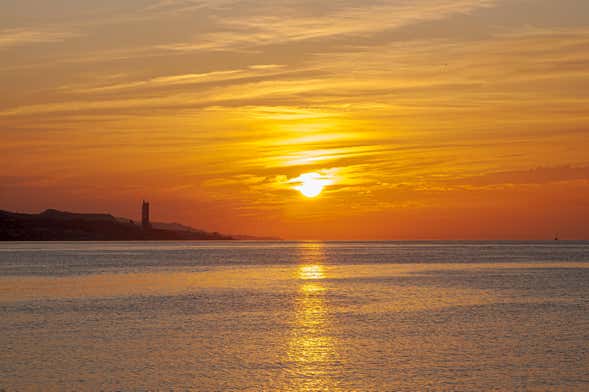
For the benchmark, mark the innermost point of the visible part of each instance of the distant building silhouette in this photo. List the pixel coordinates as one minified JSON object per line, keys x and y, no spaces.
{"x":145,"y":224}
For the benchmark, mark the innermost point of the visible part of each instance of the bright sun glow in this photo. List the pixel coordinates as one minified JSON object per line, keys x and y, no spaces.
{"x":311,"y":188}
{"x":311,"y":184}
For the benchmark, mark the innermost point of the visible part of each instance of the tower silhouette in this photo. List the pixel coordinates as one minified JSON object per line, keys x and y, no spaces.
{"x":145,"y":216}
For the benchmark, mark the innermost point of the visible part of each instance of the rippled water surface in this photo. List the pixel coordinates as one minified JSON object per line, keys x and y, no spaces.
{"x":295,"y":316}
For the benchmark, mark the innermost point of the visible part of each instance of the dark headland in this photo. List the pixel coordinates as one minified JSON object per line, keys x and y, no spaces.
{"x":54,"y":225}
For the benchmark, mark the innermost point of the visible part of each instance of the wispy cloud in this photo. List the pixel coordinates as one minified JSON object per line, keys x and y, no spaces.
{"x":260,"y":24}
{"x":185,"y":6}
{"x":172,"y":80}
{"x":539,"y":175}
{"x":23,"y":36}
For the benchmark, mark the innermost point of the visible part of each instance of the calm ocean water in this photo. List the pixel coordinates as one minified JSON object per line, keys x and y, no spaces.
{"x":295,"y":316}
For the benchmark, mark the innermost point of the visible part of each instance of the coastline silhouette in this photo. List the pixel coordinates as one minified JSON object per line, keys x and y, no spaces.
{"x":55,"y":225}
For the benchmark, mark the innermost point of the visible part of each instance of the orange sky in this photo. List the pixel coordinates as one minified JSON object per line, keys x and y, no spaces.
{"x":439,"y":119}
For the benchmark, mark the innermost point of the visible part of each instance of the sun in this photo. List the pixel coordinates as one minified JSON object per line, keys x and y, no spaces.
{"x":311,"y":188}
{"x":311,"y":184}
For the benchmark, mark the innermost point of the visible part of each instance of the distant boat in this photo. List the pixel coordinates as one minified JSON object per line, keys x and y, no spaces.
{"x":556,"y":237}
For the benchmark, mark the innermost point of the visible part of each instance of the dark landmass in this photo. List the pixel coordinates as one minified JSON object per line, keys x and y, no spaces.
{"x":54,"y":225}
{"x":253,"y":238}
{"x":181,"y":227}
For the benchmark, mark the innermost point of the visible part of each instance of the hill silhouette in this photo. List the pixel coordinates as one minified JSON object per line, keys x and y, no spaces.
{"x":55,"y":225}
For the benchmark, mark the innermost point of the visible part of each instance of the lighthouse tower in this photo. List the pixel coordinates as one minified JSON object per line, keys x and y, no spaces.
{"x":145,"y":216}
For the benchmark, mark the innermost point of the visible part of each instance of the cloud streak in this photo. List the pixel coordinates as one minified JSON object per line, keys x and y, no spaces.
{"x":20,"y":37}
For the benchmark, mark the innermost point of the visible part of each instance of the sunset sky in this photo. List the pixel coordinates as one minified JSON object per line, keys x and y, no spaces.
{"x":424,"y":119}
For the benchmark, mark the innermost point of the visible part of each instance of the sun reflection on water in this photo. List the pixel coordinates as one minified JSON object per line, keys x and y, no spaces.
{"x":311,"y":349}
{"x":311,"y":272}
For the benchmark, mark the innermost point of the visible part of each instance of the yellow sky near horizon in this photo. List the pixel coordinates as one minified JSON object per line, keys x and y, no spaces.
{"x":429,"y":118}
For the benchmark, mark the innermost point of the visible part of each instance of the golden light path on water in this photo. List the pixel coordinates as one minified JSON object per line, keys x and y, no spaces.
{"x":311,"y":347}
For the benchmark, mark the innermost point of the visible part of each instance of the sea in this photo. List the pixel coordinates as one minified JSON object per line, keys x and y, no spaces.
{"x":294,"y":316}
